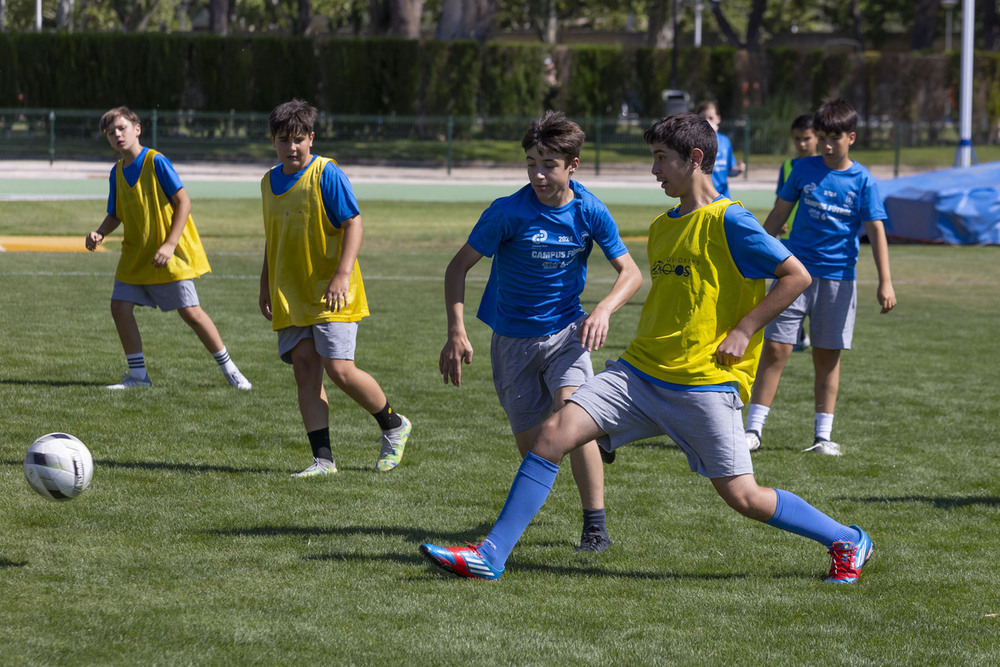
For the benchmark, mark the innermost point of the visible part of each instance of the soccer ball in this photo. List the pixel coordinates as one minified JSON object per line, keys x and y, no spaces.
{"x":58,"y":466}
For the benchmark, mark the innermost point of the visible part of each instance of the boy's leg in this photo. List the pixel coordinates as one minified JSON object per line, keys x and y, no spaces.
{"x":849,"y":545}
{"x":203,"y":326}
{"x":826,"y":363}
{"x":774,"y":356}
{"x":123,"y":314}
{"x":307,"y":367}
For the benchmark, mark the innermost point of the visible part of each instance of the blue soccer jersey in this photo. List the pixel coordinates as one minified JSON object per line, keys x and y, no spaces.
{"x":166,"y":175}
{"x":832,"y":207}
{"x":725,"y":162}
{"x":540,"y":259}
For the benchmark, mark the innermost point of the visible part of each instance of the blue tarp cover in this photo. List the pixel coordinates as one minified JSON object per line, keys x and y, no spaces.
{"x":959,"y":206}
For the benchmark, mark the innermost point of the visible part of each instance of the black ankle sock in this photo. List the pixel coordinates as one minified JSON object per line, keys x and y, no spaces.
{"x":594,"y":518}
{"x":387,"y":419}
{"x":319,"y":440}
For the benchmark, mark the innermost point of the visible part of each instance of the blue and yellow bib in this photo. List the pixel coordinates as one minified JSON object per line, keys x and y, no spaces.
{"x":698,"y":295}
{"x":303,"y":252}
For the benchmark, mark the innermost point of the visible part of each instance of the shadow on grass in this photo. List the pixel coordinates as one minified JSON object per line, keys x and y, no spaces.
{"x":10,"y":563}
{"x":52,"y":383}
{"x":410,"y":534}
{"x":163,"y":465}
{"x":940,"y":502}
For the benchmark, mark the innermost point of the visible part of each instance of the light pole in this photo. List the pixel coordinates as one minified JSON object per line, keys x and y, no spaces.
{"x":949,"y":6}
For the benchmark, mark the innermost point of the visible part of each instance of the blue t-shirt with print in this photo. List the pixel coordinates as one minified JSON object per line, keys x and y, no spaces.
{"x":832,"y":207}
{"x":166,"y":175}
{"x":725,"y":162}
{"x":338,"y":195}
{"x":540,"y":259}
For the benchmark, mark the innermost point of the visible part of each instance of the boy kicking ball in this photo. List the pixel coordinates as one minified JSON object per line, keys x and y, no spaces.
{"x":689,"y":368}
{"x":161,"y":249}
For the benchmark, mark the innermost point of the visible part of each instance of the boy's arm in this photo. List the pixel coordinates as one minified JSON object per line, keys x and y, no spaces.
{"x":792,"y":280}
{"x":880,"y":250}
{"x":340,"y":283}
{"x":594,"y":331}
{"x":264,"y":299}
{"x":96,"y":237}
{"x":778,"y":216}
{"x":458,"y":349}
{"x":182,"y":209}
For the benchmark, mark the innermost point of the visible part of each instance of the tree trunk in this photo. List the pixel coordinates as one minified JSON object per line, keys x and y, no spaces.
{"x":405,"y":18}
{"x":924,"y":24}
{"x":754,"y":24}
{"x":467,"y":19}
{"x":660,"y":33}
{"x":218,"y":17}
{"x":724,"y":27}
{"x":990,"y":25}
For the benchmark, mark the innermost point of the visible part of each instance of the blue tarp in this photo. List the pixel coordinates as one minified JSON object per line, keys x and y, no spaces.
{"x":958,"y":206}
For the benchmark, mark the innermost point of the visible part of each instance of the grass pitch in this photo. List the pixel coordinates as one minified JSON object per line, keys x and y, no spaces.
{"x":194,"y":546}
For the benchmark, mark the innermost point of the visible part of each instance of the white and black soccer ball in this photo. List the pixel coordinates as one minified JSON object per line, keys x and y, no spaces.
{"x":58,"y":466}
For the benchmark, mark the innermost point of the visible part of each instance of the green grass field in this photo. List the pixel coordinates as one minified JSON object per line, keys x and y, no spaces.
{"x":194,"y":546}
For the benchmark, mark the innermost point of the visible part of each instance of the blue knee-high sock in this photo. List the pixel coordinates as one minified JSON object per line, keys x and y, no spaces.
{"x":797,"y":516}
{"x":527,"y":495}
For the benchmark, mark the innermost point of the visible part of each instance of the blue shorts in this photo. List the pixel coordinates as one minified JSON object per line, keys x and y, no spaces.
{"x":706,"y":425}
{"x":165,"y":296}
{"x":831,"y":306}
{"x":527,"y":372}
{"x":333,"y":340}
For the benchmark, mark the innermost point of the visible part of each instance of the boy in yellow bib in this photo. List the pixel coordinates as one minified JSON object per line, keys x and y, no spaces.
{"x":689,"y":368}
{"x":161,"y":249}
{"x":311,"y":288}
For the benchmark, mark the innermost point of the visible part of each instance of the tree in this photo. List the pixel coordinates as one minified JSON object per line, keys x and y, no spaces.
{"x":399,"y":18}
{"x":218,"y":13}
{"x":467,"y":19}
{"x":924,"y":24}
{"x":134,"y":15}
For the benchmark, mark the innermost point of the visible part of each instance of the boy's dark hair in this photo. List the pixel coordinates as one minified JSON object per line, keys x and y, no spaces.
{"x":835,"y":117}
{"x":803,"y":122}
{"x":292,"y":118}
{"x":554,"y":133}
{"x":684,"y":132}
{"x":110,"y":116}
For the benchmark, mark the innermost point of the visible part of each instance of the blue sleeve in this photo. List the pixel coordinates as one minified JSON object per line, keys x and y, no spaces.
{"x":604,"y":231}
{"x":872,"y":207}
{"x":167,"y":176}
{"x":113,"y":193}
{"x":490,"y":231}
{"x":755,"y":252}
{"x":338,"y":195}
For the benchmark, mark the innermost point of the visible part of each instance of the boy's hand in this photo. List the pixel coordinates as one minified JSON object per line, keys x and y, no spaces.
{"x":264,"y":301}
{"x":456,"y":351}
{"x":163,"y":255}
{"x":594,"y":330}
{"x":93,"y":240}
{"x":732,"y":348}
{"x":886,"y":297}
{"x":336,"y":293}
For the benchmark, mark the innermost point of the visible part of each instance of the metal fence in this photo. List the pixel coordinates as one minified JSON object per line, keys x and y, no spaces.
{"x":613,"y":145}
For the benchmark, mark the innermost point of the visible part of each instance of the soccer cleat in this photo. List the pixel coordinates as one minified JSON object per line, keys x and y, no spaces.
{"x":319,"y":467}
{"x":594,"y":538}
{"x":236,"y":379}
{"x":849,"y":558}
{"x":753,"y":441}
{"x":821,"y":446}
{"x":129,"y":382}
{"x":393,"y":444}
{"x":463,"y":561}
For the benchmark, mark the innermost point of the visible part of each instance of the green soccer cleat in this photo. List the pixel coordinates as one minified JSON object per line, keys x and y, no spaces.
{"x":393,"y":444}
{"x":319,"y":467}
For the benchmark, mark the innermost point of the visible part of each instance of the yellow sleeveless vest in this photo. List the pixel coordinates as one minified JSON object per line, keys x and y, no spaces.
{"x":786,"y":170}
{"x":146,"y":216}
{"x":697,"y":297}
{"x":303,"y":252}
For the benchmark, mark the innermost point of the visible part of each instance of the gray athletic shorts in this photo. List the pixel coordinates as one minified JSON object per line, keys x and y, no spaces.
{"x":527,"y":372}
{"x":831,"y":306}
{"x":165,"y":296}
{"x":333,"y":340}
{"x":706,"y":425}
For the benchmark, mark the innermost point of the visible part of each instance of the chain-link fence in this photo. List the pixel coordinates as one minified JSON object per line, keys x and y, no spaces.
{"x":614,"y":145}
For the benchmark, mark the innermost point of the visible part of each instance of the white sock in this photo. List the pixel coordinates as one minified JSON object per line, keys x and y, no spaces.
{"x":136,"y":365}
{"x":222,"y":357}
{"x":824,"y":425}
{"x":756,"y":416}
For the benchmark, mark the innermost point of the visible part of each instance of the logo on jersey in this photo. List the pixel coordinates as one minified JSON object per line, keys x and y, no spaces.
{"x":662,"y":268}
{"x":541,"y":236}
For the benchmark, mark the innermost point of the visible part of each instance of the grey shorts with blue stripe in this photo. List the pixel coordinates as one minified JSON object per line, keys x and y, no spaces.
{"x":706,"y":425}
{"x":165,"y":296}
{"x":527,"y":372}
{"x":831,"y":306}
